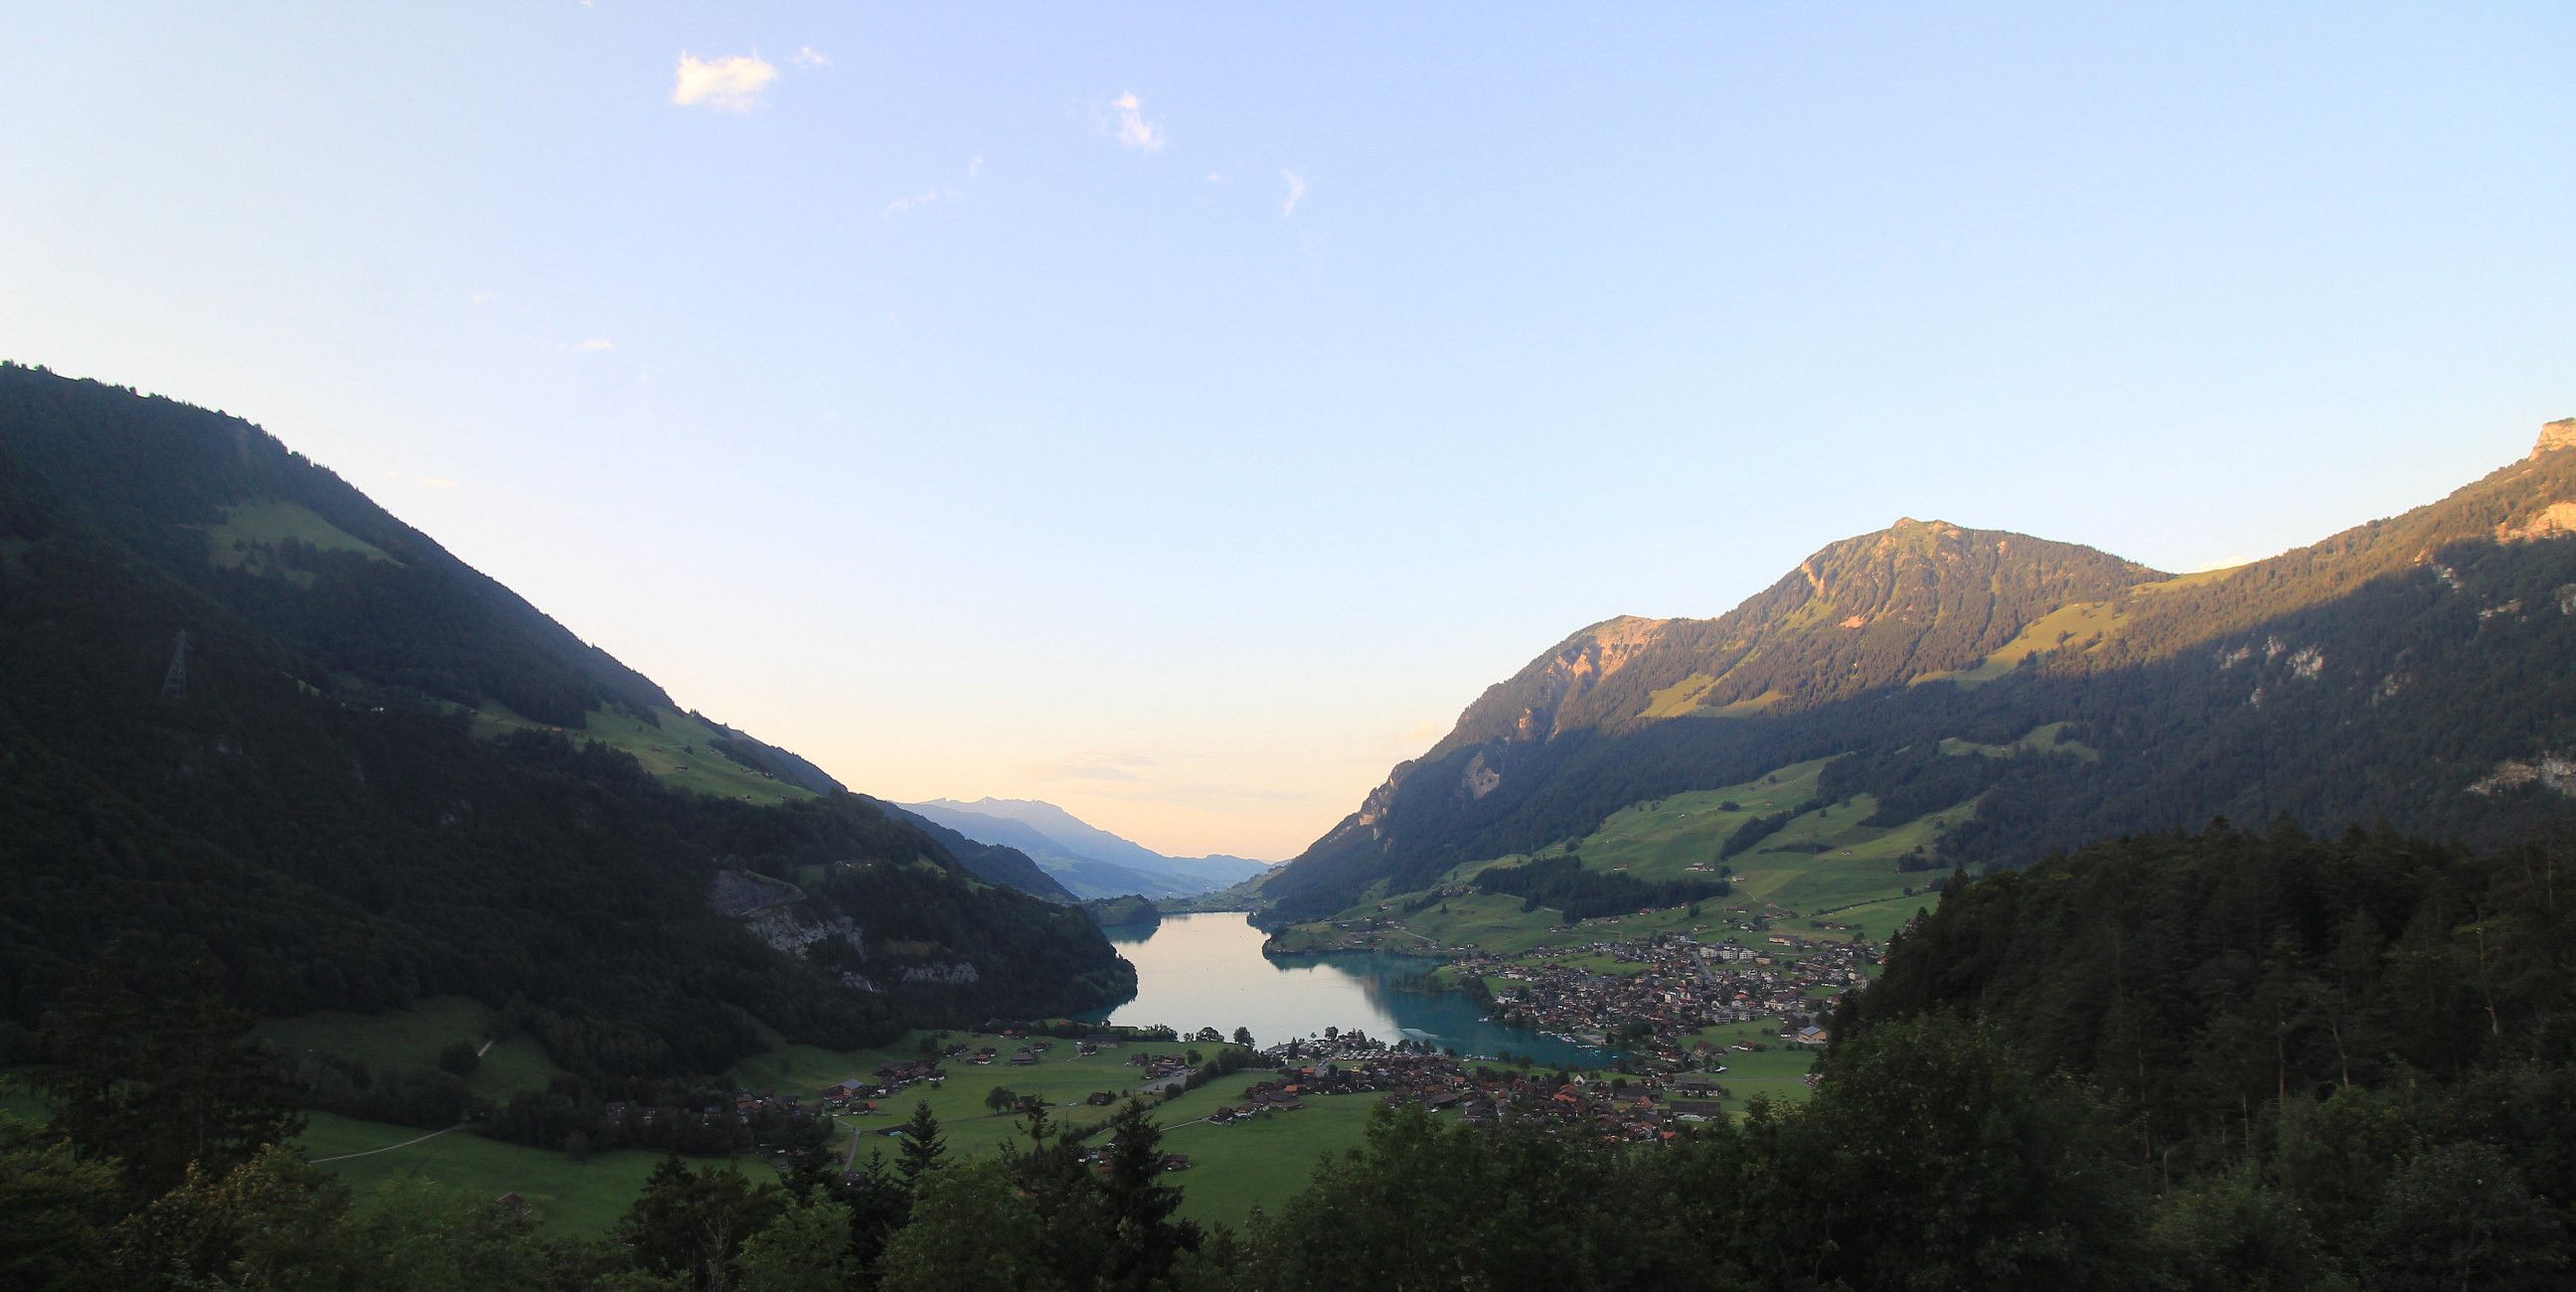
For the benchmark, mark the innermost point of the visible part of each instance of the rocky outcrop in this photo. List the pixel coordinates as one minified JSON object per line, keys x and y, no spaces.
{"x":1582,"y":663}
{"x":2549,"y":522}
{"x":952,"y":973}
{"x":734,"y":893}
{"x":786,"y":929}
{"x":2553,"y":772}
{"x":2560,"y":434}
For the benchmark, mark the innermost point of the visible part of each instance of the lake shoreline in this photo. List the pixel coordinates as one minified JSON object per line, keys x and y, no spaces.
{"x":1216,"y":969}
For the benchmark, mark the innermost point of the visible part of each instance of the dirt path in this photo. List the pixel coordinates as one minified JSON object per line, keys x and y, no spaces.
{"x":343,"y":1157}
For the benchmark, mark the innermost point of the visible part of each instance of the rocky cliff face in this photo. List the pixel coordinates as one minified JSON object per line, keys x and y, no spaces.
{"x":2560,"y":434}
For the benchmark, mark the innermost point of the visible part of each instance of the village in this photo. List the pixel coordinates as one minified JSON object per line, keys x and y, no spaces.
{"x":1651,"y":996}
{"x":1639,"y":1108}
{"x":1678,"y":1009}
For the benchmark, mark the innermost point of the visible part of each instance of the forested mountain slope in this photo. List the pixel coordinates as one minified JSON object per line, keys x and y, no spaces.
{"x":319,"y":802}
{"x":2415,"y":670}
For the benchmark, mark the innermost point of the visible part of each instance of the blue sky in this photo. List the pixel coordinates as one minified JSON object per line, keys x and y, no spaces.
{"x":1181,"y":413}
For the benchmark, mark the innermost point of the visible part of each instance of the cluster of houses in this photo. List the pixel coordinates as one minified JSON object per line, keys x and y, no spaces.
{"x":861,"y":1094}
{"x":1623,"y":1109}
{"x":1672,"y":985}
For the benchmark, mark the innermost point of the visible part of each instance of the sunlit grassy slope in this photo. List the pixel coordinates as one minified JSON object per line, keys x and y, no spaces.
{"x":680,"y":751}
{"x":2082,"y":626}
{"x":1823,"y":863}
{"x":250,"y":533}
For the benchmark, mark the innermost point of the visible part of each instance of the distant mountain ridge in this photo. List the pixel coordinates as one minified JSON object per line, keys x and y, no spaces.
{"x":992,"y":862}
{"x":2401,"y":670}
{"x":1090,"y":861}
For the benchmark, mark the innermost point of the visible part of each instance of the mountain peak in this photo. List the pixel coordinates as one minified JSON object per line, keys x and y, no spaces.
{"x":2560,"y":434}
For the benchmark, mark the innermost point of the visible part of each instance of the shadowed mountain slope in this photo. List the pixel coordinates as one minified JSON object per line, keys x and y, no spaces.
{"x":372,"y":775}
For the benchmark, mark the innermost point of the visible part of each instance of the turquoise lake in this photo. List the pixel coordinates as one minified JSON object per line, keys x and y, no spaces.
{"x":1207,"y":970}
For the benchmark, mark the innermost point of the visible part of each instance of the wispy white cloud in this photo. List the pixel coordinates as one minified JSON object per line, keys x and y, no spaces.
{"x":1133,"y":129}
{"x":1214,"y":177}
{"x":1296,"y":192}
{"x":939,"y":193}
{"x":975,"y":167}
{"x":732,"y":84}
{"x":483,"y":297}
{"x":808,"y":56}
{"x":438,"y":482}
{"x":595,"y":343}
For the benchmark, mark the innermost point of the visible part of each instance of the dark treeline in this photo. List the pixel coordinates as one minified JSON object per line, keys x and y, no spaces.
{"x":2354,"y":1057}
{"x":1133,"y":911}
{"x":1562,"y":884}
{"x":1762,"y":827}
{"x":2212,"y":985}
{"x":2171,"y":1064}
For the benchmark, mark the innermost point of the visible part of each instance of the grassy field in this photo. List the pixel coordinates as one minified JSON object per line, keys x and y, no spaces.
{"x":412,"y":1039}
{"x":247,"y":530}
{"x":1256,"y":1163}
{"x":1061,"y":1077}
{"x":2048,"y":738}
{"x":1774,"y":1073}
{"x":579,"y":1198}
{"x":1493,"y":923}
{"x":1233,"y":1168}
{"x":2083,"y":626}
{"x":588,"y":1197}
{"x":1824,"y":864}
{"x":681,"y":750}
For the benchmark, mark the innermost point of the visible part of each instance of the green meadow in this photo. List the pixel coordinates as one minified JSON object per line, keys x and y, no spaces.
{"x":411,"y":1039}
{"x":1233,"y":1169}
{"x":249,"y":534}
{"x":680,"y":751}
{"x":1061,"y":1077}
{"x":1824,"y":865}
{"x":576,"y":1197}
{"x":1260,"y":1162}
{"x":1776,"y":1073}
{"x":2049,"y":738}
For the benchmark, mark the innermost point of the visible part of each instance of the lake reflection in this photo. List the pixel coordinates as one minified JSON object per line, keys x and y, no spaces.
{"x":1207,"y":970}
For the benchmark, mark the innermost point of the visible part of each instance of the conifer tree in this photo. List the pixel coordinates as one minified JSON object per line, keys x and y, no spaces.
{"x":923,"y":1146}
